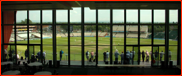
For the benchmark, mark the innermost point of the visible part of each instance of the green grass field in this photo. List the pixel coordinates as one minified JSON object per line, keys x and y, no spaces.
{"x":75,"y":48}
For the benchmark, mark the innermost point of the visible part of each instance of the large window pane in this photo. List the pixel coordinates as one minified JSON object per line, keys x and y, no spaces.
{"x":159,"y":34}
{"x":34,"y":34}
{"x":104,"y":16}
{"x":173,"y":34}
{"x":131,"y":16}
{"x":101,"y":50}
{"x":131,"y":34}
{"x":118,"y":16}
{"x":47,"y":16}
{"x":159,"y":16}
{"x":75,"y":54}
{"x":62,"y":57}
{"x":34,"y":17}
{"x":145,"y":16}
{"x":75,"y":15}
{"x":21,"y":51}
{"x":75,"y":35}
{"x":61,"y":16}
{"x":21,"y":34}
{"x":90,"y":34}
{"x":62,"y":35}
{"x":173,"y":16}
{"x":90,"y":15}
{"x":21,"y":17}
{"x":145,"y":34}
{"x":47,"y":34}
{"x":118,"y":34}
{"x":104,"y":35}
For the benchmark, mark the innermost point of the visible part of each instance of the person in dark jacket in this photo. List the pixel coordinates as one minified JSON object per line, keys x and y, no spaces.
{"x":61,"y":52}
{"x":104,"y":56}
{"x":122,"y":57}
{"x":143,"y":55}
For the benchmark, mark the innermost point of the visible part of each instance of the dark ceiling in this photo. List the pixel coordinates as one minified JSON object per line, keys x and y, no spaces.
{"x":37,"y":5}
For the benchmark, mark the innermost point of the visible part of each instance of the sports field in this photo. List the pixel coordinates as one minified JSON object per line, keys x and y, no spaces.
{"x":90,"y":45}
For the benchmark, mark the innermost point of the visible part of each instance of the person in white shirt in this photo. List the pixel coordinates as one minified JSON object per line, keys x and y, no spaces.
{"x":170,"y":54}
{"x":44,"y":54}
{"x":5,"y":53}
{"x":147,"y":56}
{"x":107,"y":56}
{"x":161,"y":55}
{"x":87,"y":55}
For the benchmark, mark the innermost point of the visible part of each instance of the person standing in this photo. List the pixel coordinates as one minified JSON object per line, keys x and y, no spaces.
{"x":116,"y":55}
{"x":104,"y":56}
{"x":92,"y":56}
{"x":122,"y":57}
{"x":44,"y":55}
{"x":156,"y":54}
{"x":87,"y":55}
{"x":38,"y":54}
{"x":147,"y":56}
{"x":170,"y":54}
{"x":26,"y":54}
{"x":10,"y":54}
{"x":161,"y":55}
{"x":127,"y":57}
{"x":143,"y":55}
{"x":107,"y":56}
{"x":61,"y":52}
{"x":131,"y":57}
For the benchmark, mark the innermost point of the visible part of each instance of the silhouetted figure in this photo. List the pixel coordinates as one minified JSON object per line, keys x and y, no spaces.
{"x":104,"y":54}
{"x":122,"y":57}
{"x":61,"y":53}
{"x":143,"y":56}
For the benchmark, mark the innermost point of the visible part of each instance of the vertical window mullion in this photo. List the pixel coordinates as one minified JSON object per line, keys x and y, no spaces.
{"x":138,"y":33}
{"x":28,"y":34}
{"x":68,"y":37}
{"x":96,"y":37}
{"x":111,"y":11}
{"x":166,"y":36}
{"x":41,"y":47}
{"x":179,"y":37}
{"x":124,"y":35}
{"x":82,"y":35}
{"x":152,"y":34}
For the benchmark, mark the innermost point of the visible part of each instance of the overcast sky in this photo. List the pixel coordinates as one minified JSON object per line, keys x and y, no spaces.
{"x":103,"y":15}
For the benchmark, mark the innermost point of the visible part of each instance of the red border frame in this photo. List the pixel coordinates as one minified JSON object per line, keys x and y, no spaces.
{"x":86,"y":0}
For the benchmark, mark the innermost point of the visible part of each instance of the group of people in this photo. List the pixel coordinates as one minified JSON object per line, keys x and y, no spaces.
{"x":10,"y":54}
{"x":91,"y":59}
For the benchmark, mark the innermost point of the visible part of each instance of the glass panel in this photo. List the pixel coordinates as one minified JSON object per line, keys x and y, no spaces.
{"x":155,"y":56}
{"x":91,"y":55}
{"x":75,"y":15}
{"x":159,"y":16}
{"x":37,"y":50}
{"x":118,"y":16}
{"x":159,"y":34}
{"x":131,"y":16}
{"x":104,"y":35}
{"x":145,"y":34}
{"x":101,"y":50}
{"x":9,"y":34}
{"x":48,"y":49}
{"x":173,"y":34}
{"x":90,"y":15}
{"x":34,"y":17}
{"x":47,"y":16}
{"x":75,"y":54}
{"x":21,"y":51}
{"x":173,"y":16}
{"x":120,"y":50}
{"x":31,"y":53}
{"x":131,"y":34}
{"x":62,"y":34}
{"x":173,"y":54}
{"x":21,"y":34}
{"x":134,"y":52}
{"x":75,"y":35}
{"x":47,"y":34}
{"x":34,"y":34}
{"x":118,"y":34}
{"x":61,"y":16}
{"x":104,"y":16}
{"x":90,"y":34}
{"x":21,"y":17}
{"x":62,"y":56}
{"x":145,"y":16}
